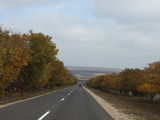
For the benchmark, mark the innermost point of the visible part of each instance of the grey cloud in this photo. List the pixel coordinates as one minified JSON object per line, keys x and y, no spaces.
{"x":107,"y":44}
{"x":128,"y":9}
{"x":7,"y":6}
{"x":101,"y":41}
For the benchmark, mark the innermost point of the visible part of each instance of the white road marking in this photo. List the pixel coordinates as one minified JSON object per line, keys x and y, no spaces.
{"x":27,"y":99}
{"x":43,"y":116}
{"x":62,"y":99}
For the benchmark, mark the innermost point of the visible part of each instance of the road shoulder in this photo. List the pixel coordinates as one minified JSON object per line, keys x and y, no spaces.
{"x":109,"y":108}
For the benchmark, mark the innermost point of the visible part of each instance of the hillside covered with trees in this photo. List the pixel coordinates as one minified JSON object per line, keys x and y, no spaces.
{"x":133,"y":82}
{"x":28,"y":61}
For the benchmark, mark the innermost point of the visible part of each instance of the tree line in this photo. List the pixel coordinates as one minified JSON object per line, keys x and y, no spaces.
{"x":130,"y":81}
{"x":28,"y":61}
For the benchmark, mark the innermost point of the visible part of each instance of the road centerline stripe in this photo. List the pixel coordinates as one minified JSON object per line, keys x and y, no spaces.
{"x":62,"y":99}
{"x":43,"y":116}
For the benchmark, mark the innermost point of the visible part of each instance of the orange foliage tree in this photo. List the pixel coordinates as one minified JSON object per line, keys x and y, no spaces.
{"x":151,"y":84}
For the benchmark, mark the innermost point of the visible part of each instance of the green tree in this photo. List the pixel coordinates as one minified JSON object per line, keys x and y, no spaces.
{"x":43,"y":52}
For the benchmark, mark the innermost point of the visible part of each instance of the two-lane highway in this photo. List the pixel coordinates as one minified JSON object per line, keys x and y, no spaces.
{"x":68,"y":104}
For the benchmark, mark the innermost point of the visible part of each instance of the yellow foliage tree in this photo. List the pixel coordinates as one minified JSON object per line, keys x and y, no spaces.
{"x":14,"y":56}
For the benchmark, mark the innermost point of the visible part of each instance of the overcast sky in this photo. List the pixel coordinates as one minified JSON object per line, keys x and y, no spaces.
{"x":98,"y":33}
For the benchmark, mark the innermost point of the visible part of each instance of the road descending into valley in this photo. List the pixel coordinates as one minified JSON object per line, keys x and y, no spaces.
{"x":72,"y":103}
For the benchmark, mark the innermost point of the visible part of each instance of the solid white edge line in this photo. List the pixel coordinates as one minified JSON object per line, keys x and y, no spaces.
{"x":43,"y":116}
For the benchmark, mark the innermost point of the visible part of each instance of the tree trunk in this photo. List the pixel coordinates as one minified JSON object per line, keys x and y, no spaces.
{"x":152,"y":95}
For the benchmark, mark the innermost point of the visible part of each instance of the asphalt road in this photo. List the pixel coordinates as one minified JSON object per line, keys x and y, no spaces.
{"x":68,"y":104}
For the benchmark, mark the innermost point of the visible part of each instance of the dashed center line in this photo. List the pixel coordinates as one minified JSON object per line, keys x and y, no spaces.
{"x":62,"y":99}
{"x":43,"y":116}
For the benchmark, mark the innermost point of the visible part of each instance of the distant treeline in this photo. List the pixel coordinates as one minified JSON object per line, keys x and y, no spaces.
{"x":130,"y":81}
{"x":28,"y":62}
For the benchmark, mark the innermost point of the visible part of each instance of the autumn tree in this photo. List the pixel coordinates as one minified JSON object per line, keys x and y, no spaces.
{"x":130,"y":79}
{"x":43,"y":52}
{"x":151,"y":84}
{"x":28,"y":61}
{"x":126,"y":81}
{"x":14,"y":56}
{"x":60,"y":75}
{"x":109,"y":81}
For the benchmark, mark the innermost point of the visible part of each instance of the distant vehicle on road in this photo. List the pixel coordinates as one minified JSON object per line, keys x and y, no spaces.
{"x":80,"y":85}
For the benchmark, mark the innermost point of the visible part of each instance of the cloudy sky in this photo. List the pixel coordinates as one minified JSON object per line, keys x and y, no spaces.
{"x":98,"y":33}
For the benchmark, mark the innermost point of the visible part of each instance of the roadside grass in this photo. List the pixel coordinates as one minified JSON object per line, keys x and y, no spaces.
{"x":141,"y":108}
{"x":28,"y":94}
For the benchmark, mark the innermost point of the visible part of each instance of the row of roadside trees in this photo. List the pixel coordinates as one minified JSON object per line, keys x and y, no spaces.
{"x":28,"y":62}
{"x":130,"y":81}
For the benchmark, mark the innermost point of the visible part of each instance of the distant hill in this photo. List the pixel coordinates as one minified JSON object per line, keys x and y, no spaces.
{"x":85,"y":73}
